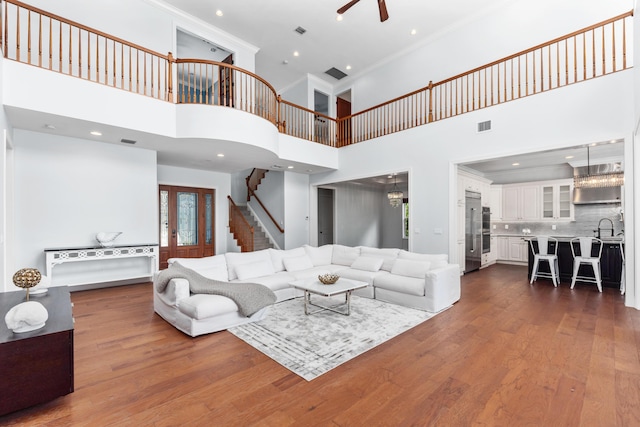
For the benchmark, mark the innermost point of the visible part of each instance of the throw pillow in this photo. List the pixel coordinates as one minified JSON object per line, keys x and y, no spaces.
{"x":297,"y":263}
{"x":367,"y":263}
{"x":254,"y":269}
{"x":344,"y":255}
{"x":410,"y":268}
{"x":319,"y":256}
{"x":277,"y":255}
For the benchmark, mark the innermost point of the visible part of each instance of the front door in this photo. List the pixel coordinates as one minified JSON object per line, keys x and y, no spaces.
{"x":186,"y":223}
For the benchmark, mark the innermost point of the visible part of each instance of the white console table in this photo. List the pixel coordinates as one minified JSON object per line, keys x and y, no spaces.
{"x":56,"y":256}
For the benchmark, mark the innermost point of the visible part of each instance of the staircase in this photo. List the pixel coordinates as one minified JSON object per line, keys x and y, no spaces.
{"x":260,"y":239}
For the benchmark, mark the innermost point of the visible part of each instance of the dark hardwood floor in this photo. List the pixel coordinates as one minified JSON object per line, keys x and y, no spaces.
{"x":507,"y":354}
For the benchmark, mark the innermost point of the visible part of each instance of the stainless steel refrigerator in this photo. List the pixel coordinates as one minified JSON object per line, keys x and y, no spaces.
{"x":473,"y":231}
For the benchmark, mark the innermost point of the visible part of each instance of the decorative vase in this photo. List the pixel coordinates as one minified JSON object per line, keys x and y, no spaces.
{"x":27,"y":278}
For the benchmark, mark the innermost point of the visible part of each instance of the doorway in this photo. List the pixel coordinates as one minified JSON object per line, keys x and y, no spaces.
{"x":320,"y":122}
{"x":186,"y":223}
{"x":343,"y":109}
{"x":325,"y":216}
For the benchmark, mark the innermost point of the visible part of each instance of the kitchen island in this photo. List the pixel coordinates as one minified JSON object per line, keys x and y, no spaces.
{"x":610,"y":261}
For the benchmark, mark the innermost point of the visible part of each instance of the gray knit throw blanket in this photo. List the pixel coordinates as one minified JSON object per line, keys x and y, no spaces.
{"x":249,"y":297}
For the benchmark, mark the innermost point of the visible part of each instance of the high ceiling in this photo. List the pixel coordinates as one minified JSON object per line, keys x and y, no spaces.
{"x":360,"y":40}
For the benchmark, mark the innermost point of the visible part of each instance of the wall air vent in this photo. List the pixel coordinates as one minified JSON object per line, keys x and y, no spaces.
{"x":335,"y":73}
{"x":128,"y":141}
{"x":300,"y":30}
{"x":484,"y":126}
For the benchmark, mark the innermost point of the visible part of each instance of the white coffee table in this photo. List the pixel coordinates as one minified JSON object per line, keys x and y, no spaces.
{"x":342,"y":286}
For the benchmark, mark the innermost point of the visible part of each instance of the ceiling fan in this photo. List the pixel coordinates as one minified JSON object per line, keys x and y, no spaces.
{"x":381,"y":5}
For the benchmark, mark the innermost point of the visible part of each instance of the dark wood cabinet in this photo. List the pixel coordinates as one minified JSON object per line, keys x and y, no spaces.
{"x":610,"y":263}
{"x":37,"y":366}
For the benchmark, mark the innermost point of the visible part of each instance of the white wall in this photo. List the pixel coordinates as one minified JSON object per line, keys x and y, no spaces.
{"x":221,"y":183}
{"x":296,"y":210}
{"x":67,"y":190}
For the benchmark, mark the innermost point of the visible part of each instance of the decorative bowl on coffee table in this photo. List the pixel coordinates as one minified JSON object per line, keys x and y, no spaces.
{"x":328,"y":279}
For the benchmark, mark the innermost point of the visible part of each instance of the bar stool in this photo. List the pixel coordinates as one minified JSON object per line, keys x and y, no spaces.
{"x":586,"y":246}
{"x":622,"y":277}
{"x":542,"y":254}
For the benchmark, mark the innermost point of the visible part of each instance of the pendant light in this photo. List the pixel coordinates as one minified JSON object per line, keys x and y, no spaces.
{"x":395,"y":197}
{"x":599,"y":180}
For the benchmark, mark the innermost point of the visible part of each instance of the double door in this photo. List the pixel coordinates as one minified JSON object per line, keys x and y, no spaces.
{"x":186,"y":223}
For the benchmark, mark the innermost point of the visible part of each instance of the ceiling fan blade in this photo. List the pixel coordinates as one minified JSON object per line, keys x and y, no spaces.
{"x":384,"y":15}
{"x":347,"y":6}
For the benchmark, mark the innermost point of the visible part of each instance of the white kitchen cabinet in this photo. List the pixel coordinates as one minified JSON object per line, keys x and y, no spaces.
{"x":520,"y":202}
{"x":517,"y":249}
{"x":556,"y":200}
{"x":492,"y":256}
{"x":512,"y":249}
{"x":495,"y":202}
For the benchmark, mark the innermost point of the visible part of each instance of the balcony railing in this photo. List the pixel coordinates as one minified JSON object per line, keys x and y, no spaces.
{"x":35,"y":37}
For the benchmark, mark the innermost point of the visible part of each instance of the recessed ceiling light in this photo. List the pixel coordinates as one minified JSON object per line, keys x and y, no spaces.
{"x":96,"y":133}
{"x":296,"y":53}
{"x":220,"y":155}
{"x":348,"y":67}
{"x":613,"y":141}
{"x":219,"y":12}
{"x":49,"y":126}
{"x":515,"y":164}
{"x":309,"y":170}
{"x":569,"y":157}
{"x":339,"y":18}
{"x":289,"y":167}
{"x":414,"y":32}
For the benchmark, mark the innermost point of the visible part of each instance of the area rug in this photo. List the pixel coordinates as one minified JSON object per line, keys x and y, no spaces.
{"x":312,"y":345}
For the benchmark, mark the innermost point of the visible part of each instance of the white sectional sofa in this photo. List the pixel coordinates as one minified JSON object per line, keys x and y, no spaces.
{"x":424,"y":282}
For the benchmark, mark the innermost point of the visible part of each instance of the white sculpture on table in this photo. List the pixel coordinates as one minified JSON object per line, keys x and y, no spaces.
{"x":106,"y":238}
{"x":26,"y":316}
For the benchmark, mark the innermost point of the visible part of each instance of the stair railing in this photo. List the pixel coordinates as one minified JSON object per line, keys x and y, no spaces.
{"x":252,"y":193}
{"x":253,"y":181}
{"x":242,"y":231}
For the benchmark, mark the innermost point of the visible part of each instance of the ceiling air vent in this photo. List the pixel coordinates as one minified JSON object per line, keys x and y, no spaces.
{"x":484,"y":126}
{"x":128,"y":141}
{"x":335,"y":73}
{"x":300,"y":30}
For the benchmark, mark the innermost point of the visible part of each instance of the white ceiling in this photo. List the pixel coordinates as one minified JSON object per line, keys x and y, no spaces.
{"x":359,"y":40}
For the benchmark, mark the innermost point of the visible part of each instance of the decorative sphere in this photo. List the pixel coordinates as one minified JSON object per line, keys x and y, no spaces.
{"x":27,"y":278}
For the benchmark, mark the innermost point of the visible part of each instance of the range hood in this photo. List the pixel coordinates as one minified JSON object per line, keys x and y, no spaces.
{"x":583,"y":195}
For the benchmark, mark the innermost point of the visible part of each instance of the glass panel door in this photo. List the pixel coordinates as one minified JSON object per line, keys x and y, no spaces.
{"x":187,"y":219}
{"x":547,"y":202}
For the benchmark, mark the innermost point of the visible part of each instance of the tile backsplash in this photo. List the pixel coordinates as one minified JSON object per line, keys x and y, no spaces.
{"x":586,"y":221}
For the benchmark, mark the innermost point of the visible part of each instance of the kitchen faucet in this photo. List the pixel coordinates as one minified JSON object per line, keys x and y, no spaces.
{"x":600,"y":228}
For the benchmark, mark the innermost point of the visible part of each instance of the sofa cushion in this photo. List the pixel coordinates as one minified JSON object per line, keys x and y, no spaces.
{"x":344,"y":255}
{"x":297,"y":263}
{"x":436,"y":260}
{"x":313,"y":273}
{"x":254,"y":269}
{"x":319,"y":256}
{"x":388,"y":255}
{"x":237,"y":258}
{"x":274,"y":281}
{"x":410,"y":268}
{"x":366,"y":263}
{"x":402,"y":284}
{"x":278,"y":255}
{"x":361,"y":275}
{"x":202,"y":306}
{"x":211,"y":267}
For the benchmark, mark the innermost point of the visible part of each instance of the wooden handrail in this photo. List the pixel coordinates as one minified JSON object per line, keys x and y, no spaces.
{"x":266,"y":210}
{"x":102,"y":58}
{"x":244,"y":232}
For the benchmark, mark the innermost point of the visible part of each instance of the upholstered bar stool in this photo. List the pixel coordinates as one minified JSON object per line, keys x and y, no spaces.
{"x":585,"y":245}
{"x":542,"y":254}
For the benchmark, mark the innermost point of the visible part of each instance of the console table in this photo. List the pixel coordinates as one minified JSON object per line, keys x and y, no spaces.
{"x":37,"y":366}
{"x":56,"y":256}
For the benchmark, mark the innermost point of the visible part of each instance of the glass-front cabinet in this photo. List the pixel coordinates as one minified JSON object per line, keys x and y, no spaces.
{"x":556,"y":200}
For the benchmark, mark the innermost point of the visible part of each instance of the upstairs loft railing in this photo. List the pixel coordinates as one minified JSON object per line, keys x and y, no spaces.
{"x":33,"y":36}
